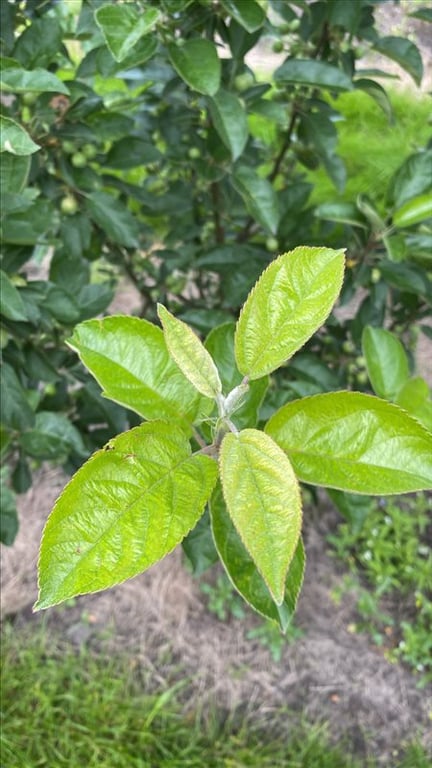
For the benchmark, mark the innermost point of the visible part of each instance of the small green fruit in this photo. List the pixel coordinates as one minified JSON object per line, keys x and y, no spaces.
{"x":79,"y":160}
{"x":375,"y":275}
{"x":272,"y":244}
{"x":362,"y":377}
{"x":294,"y":25}
{"x":277,"y":46}
{"x":244,"y":81}
{"x":69,"y":205}
{"x":89,"y":151}
{"x":348,"y":347}
{"x":361,"y":361}
{"x":194,"y":153}
{"x":29,"y":98}
{"x":68,"y":147}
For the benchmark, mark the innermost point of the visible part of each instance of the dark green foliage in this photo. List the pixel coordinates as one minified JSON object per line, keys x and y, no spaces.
{"x":131,"y":147}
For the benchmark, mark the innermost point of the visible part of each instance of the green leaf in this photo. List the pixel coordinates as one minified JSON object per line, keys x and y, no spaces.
{"x":220,"y":344}
{"x":387,"y":363}
{"x":52,"y":437}
{"x":404,"y":52}
{"x":242,"y":570}
{"x":263,"y":499}
{"x":34,"y":81}
{"x":114,"y":219}
{"x":354,"y":507}
{"x":130,"y":360}
{"x":124,"y":510}
{"x":11,"y":303}
{"x":344,"y":213}
{"x":424,"y":14}
{"x":14,"y":170}
{"x":354,"y":442}
{"x":122,"y":26}
{"x":413,"y":178}
{"x":310,"y":72}
{"x":259,"y":197}
{"x":131,"y":152}
{"x":199,"y":547}
{"x":190,"y":354}
{"x":15,"y":409}
{"x":15,"y":139}
{"x":31,"y":226}
{"x":377,"y":93}
{"x":229,"y":119}
{"x":198,"y":64}
{"x":289,"y":302}
{"x":414,"y":397}
{"x":40,"y":43}
{"x":248,"y":14}
{"x":414,"y":211}
{"x":8,"y":516}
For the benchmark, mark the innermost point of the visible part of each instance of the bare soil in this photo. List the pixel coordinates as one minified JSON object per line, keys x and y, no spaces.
{"x":160,"y":619}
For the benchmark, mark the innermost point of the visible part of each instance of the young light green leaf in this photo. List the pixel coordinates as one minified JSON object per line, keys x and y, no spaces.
{"x":190,"y":354}
{"x":248,"y":14}
{"x":315,"y":73}
{"x":125,"y":509}
{"x":122,"y":26}
{"x":414,"y":211}
{"x":243,"y":572}
{"x":229,"y":118}
{"x":258,"y":196}
{"x":130,"y":360}
{"x":263,"y":499}
{"x":198,"y":64}
{"x":414,"y":397}
{"x":404,"y":52}
{"x":354,"y":442}
{"x":14,"y":139}
{"x":291,"y":299}
{"x":387,"y":363}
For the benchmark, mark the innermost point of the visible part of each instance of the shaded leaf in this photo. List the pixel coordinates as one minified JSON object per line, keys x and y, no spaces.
{"x":230,"y":121}
{"x":15,"y":409}
{"x":354,"y":442}
{"x":35,"y":81}
{"x":243,"y":572}
{"x":14,"y":139}
{"x":249,"y":15}
{"x":387,"y":363}
{"x":414,"y":211}
{"x":11,"y":303}
{"x":198,"y":64}
{"x":52,"y":437}
{"x":377,"y":93}
{"x":8,"y":516}
{"x":113,"y":218}
{"x":124,"y":510}
{"x":122,"y":26}
{"x":263,"y":499}
{"x":258,"y":196}
{"x":289,"y":302}
{"x":316,"y":73}
{"x":404,"y":52}
{"x":199,"y":547}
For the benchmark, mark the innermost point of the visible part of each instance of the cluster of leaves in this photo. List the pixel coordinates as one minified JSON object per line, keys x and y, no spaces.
{"x":138,"y":140}
{"x":199,"y":447}
{"x":390,"y":550}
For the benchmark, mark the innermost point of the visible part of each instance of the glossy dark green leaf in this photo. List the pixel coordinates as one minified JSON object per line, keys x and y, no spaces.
{"x":131,"y":152}
{"x":39,"y":43}
{"x":11,"y":303}
{"x":415,"y":397}
{"x":386,"y":360}
{"x":243,"y":572}
{"x":93,"y":299}
{"x":343,"y":213}
{"x":354,"y":507}
{"x":33,"y":81}
{"x":189,"y":353}
{"x":413,"y":178}
{"x":61,"y":305}
{"x":14,"y":139}
{"x":263,"y":499}
{"x":130,"y":360}
{"x":377,"y":93}
{"x":404,"y":52}
{"x":198,"y":64}
{"x":29,"y":227}
{"x":113,"y":218}
{"x":354,"y":442}
{"x":316,"y":73}
{"x":414,"y":211}
{"x":21,"y":476}
{"x":258,"y":196}
{"x":122,"y":26}
{"x":14,"y":171}
{"x":15,"y":409}
{"x":52,"y":437}
{"x":290,"y":301}
{"x":220,"y":344}
{"x":230,"y":121}
{"x":124,"y":510}
{"x":248,"y":14}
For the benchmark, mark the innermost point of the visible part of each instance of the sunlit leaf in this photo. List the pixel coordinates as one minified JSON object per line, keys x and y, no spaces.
{"x":122,"y":26}
{"x":197,"y":63}
{"x":386,"y":361}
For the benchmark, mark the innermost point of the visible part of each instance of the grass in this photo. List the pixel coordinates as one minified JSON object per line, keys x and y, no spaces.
{"x":61,"y":708}
{"x":371,"y":148}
